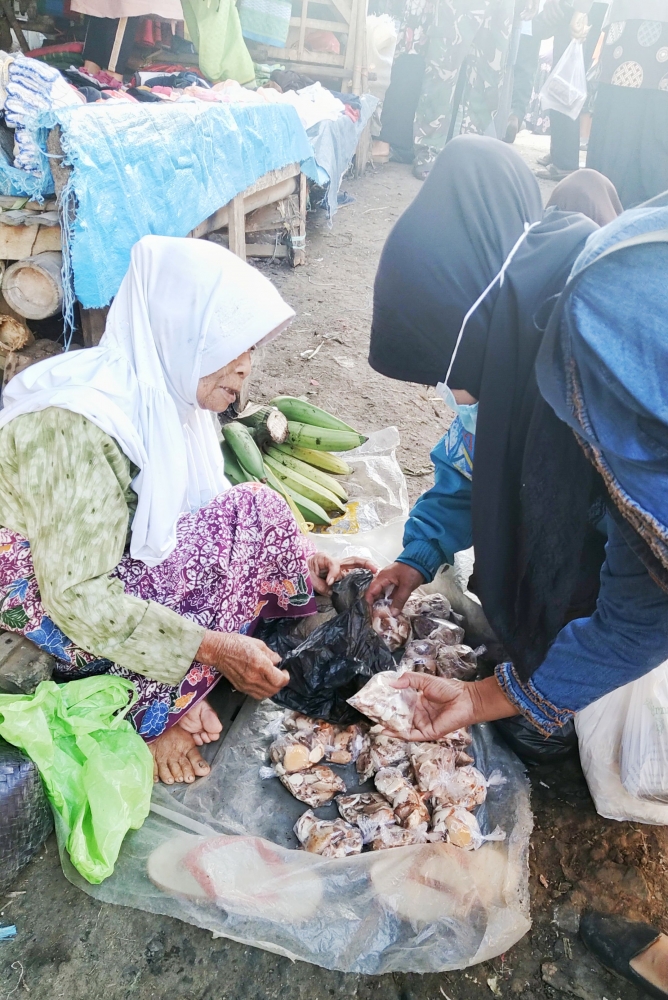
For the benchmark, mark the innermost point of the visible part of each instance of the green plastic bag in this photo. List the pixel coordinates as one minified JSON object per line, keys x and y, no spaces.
{"x":97,"y":771}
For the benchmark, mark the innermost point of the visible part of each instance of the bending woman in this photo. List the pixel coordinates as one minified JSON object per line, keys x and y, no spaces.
{"x":560,"y":439}
{"x":122,"y":549}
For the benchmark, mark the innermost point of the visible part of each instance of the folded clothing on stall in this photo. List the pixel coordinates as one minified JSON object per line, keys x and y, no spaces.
{"x":33,"y":87}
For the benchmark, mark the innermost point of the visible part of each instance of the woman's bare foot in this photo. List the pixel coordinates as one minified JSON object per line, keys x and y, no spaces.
{"x":176,"y":757}
{"x":202,"y":723}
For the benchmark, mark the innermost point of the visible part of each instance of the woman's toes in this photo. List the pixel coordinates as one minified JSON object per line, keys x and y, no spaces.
{"x":175,"y":768}
{"x":164,"y":773}
{"x":199,"y":764}
{"x":187,"y":770}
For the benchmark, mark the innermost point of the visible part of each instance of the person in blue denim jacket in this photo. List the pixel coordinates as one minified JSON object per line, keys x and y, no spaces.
{"x":558,"y":423}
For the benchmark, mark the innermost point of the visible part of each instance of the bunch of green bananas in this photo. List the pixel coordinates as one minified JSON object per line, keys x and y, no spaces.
{"x":302,"y":469}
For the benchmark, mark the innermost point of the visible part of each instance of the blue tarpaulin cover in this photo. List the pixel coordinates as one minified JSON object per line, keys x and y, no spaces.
{"x":162,"y":169}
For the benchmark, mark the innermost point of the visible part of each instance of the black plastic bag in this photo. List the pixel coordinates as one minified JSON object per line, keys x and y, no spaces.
{"x":338,"y":658}
{"x":532,"y":747}
{"x":25,"y":814}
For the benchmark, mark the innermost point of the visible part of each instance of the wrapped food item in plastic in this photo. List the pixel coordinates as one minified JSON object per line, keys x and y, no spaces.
{"x":459,"y":661}
{"x":338,"y":744}
{"x":329,"y":838}
{"x":296,"y":751}
{"x":433,"y":765}
{"x":431,"y":656}
{"x":427,"y":606}
{"x":395,"y":630}
{"x":407,"y":802}
{"x":337,"y":658}
{"x":367,"y":810}
{"x":459,"y":739}
{"x":427,"y":612}
{"x":446,"y":633}
{"x":346,"y":745}
{"x":461,"y":828}
{"x":466,"y":787}
{"x":390,"y":707}
{"x":381,"y":751}
{"x":315,"y":787}
{"x":399,"y":836}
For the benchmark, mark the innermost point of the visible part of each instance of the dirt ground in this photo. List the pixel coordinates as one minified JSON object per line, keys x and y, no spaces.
{"x":69,"y":945}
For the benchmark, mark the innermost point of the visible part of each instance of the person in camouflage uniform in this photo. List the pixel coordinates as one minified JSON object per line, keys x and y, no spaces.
{"x":444,"y":33}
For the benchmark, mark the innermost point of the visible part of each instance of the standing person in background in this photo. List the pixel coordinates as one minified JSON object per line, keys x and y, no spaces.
{"x":526,"y":65}
{"x":629,"y":137}
{"x":436,"y":38}
{"x":567,"y":20}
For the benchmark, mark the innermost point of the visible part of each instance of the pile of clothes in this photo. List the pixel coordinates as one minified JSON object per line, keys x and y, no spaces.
{"x":30,"y":87}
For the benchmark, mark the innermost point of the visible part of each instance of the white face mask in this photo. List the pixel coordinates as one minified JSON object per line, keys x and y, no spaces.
{"x":468,"y":413}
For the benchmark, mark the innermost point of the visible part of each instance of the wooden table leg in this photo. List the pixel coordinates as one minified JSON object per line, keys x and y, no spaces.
{"x":237,"y":227}
{"x":118,"y":41}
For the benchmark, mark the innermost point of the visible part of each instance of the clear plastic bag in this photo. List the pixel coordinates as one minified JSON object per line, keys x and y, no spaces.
{"x":377,"y":488}
{"x":626,"y":725}
{"x":565,"y":89}
{"x":423,"y":908}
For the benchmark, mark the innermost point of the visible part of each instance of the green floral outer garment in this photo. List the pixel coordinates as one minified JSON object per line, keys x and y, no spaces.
{"x":65,"y":486}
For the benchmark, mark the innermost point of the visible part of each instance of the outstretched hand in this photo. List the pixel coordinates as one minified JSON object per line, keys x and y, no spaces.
{"x":402,"y":579}
{"x":325,"y":570}
{"x":443,"y":705}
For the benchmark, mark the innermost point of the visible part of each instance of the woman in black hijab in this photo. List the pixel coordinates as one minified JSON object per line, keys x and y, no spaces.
{"x":531,"y":508}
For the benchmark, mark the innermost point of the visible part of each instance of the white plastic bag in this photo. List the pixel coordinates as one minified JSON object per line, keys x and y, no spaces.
{"x":628,"y":729}
{"x":381,"y":41}
{"x":565,"y":89}
{"x":644,"y":760}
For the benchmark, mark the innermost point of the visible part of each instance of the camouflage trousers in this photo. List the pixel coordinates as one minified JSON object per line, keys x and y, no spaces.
{"x":481,"y":30}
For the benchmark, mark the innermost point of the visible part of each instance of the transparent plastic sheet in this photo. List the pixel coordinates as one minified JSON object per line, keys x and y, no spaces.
{"x":377,"y":488}
{"x":426,"y":908}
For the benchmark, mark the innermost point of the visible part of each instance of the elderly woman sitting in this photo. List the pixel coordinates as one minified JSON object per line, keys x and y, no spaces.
{"x":122,"y":548}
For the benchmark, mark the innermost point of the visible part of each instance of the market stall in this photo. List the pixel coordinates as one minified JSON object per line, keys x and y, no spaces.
{"x":226,"y":163}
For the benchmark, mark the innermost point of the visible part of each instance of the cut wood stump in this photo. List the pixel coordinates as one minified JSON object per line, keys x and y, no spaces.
{"x":33,"y":287}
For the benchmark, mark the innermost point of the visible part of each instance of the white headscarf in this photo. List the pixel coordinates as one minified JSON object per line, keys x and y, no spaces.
{"x":185,"y":309}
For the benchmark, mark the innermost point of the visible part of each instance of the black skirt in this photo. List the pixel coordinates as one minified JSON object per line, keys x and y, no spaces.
{"x":629,"y":136}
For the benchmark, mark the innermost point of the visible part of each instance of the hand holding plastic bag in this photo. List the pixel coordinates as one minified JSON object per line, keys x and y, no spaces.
{"x":97,"y":771}
{"x":565,"y":89}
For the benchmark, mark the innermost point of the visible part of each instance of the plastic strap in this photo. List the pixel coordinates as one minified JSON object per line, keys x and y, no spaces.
{"x":499,"y":277}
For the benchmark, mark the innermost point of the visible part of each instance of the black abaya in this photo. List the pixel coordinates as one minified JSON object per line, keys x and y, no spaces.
{"x":532,"y":486}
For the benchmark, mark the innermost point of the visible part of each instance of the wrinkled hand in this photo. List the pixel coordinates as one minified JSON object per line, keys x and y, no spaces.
{"x":249,"y":665}
{"x":579,"y":27}
{"x":443,"y":705}
{"x":404,"y":579}
{"x":325,"y":570}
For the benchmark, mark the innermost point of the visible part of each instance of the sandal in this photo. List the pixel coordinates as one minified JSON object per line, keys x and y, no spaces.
{"x":424,"y":161}
{"x":616,"y":941}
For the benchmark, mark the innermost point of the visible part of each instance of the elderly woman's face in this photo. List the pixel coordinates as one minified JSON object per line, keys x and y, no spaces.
{"x":217,"y":391}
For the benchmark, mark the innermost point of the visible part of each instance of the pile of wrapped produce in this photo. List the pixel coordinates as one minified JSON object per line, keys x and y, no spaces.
{"x":424,"y":792}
